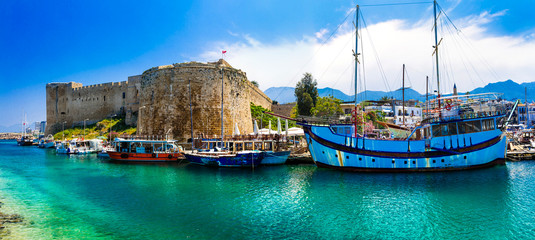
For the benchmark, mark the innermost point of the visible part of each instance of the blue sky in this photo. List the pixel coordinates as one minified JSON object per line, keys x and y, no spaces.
{"x":103,"y":41}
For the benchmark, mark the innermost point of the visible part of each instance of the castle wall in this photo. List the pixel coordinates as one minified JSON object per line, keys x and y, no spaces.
{"x":158,"y":101}
{"x":73,"y":103}
{"x":283,"y":109}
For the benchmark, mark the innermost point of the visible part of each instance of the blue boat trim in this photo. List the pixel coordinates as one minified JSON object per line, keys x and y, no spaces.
{"x":498,"y":161}
{"x":426,"y":154}
{"x":240,"y":160}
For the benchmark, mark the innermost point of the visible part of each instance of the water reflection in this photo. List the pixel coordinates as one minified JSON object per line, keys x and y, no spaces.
{"x":423,"y":205}
{"x":74,"y":196}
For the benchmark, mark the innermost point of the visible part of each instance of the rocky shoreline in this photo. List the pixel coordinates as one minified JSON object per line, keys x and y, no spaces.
{"x":6,"y":219}
{"x":10,"y":136}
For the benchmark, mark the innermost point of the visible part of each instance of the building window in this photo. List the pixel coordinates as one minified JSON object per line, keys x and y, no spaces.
{"x":104,"y":98}
{"x":124,"y":95}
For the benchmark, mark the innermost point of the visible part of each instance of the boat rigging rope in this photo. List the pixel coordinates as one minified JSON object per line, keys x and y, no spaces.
{"x":394,"y":4}
{"x":379,"y":65}
{"x":292,"y":80}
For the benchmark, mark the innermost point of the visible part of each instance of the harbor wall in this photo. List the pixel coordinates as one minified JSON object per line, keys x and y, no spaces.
{"x":158,"y":101}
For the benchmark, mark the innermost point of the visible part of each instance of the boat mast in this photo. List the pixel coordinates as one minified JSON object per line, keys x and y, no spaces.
{"x":426,"y":96}
{"x":436,"y":56}
{"x":190,"y":113}
{"x":527,"y":106}
{"x":222,"y":128}
{"x":356,"y":62}
{"x":356,"y":51}
{"x":403,"y":95}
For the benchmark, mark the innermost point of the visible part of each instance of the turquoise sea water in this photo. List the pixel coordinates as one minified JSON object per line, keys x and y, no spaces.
{"x":66,"y":197}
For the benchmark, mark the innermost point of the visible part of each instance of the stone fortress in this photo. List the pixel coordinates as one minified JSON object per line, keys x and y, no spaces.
{"x":158,"y":101}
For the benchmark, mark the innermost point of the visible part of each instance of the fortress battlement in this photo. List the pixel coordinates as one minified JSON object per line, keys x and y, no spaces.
{"x":158,"y":100}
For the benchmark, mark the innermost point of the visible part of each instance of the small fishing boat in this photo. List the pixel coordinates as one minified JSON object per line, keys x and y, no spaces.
{"x":47,"y":142}
{"x":64,"y":147}
{"x":275,"y":158}
{"x":79,"y":146}
{"x":104,"y":152}
{"x":145,"y":150}
{"x":25,"y":141}
{"x":223,"y":158}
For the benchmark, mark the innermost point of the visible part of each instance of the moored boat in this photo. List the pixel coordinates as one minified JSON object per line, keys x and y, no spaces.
{"x":224,"y":158}
{"x":275,"y":158}
{"x":104,"y":152}
{"x":25,"y":141}
{"x":64,"y":147}
{"x":463,"y":133}
{"x":146,"y":151}
{"x":47,"y":142}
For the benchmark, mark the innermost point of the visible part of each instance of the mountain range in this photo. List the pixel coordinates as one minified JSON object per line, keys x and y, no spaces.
{"x":12,"y":128}
{"x":510,"y":89}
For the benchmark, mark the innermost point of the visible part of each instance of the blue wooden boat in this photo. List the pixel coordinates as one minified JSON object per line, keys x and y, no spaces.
{"x":275,"y":158}
{"x":454,"y":144}
{"x":241,"y":159}
{"x":462,"y":133}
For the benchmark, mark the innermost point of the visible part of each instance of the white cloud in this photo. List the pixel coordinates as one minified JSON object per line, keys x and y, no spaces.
{"x":473,"y":57}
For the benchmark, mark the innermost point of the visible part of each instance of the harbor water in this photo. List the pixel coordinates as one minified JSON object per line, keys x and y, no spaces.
{"x":70,"y":197}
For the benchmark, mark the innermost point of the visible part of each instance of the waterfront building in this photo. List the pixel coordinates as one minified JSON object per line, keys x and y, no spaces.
{"x":525,"y":115}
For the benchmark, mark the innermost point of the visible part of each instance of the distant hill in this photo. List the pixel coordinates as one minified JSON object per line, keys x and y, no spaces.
{"x":510,"y":89}
{"x":286,"y":94}
{"x":12,"y":128}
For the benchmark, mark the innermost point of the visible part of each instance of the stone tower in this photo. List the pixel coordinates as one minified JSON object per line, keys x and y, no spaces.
{"x":165,"y":100}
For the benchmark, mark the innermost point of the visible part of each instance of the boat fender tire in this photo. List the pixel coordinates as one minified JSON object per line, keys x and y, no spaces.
{"x":170,"y":156}
{"x":154,"y":155}
{"x":124,"y":155}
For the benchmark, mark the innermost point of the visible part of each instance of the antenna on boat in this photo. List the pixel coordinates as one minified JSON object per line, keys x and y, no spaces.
{"x":436,"y":56}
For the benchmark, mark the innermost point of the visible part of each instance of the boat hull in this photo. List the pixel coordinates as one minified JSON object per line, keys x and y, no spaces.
{"x":25,"y":143}
{"x":366,"y":157}
{"x":275,"y":158}
{"x":145,"y":157}
{"x":239,"y":160}
{"x":50,"y":145}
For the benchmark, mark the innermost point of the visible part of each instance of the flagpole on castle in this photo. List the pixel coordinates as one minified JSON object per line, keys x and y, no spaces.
{"x":223,"y":54}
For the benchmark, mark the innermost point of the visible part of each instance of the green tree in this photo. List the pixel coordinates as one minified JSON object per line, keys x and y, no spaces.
{"x":306,"y":93}
{"x":327,"y":106}
{"x":304,"y":107}
{"x":385,"y":98}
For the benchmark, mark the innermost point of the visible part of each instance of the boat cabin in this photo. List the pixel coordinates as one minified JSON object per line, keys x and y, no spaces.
{"x":143,"y":146}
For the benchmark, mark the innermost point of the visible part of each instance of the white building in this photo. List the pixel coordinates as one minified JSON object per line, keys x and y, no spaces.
{"x":522,"y":115}
{"x":413,"y":115}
